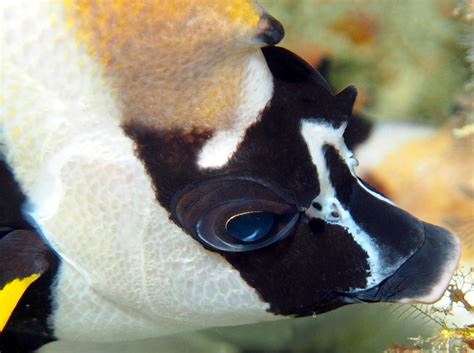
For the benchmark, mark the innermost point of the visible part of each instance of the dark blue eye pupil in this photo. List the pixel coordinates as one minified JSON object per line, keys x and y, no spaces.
{"x":251,"y":227}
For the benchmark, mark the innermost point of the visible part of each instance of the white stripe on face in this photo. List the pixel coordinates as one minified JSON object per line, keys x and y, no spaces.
{"x":317,"y":134}
{"x":257,"y":91}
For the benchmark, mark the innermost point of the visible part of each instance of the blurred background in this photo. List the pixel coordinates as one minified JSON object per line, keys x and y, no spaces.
{"x":405,"y":57}
{"x":412,"y":62}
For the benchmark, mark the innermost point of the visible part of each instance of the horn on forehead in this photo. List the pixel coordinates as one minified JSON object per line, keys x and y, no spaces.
{"x":345,"y":101}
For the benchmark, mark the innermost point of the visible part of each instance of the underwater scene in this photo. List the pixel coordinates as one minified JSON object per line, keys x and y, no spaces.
{"x":210,"y":176}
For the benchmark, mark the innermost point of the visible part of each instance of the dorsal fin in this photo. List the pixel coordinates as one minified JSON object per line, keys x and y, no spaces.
{"x":345,"y":101}
{"x":289,"y":67}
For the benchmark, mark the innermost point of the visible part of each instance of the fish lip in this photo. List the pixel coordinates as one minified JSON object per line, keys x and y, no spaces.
{"x":443,"y":281}
{"x":399,"y":286}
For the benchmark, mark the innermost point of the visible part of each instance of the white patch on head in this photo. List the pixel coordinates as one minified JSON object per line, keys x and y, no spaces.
{"x":317,"y":134}
{"x":257,"y":91}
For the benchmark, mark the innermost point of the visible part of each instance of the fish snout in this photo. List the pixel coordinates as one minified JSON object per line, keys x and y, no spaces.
{"x":424,"y":277}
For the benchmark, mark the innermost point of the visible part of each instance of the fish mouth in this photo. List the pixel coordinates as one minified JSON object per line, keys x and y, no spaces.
{"x":422,"y":278}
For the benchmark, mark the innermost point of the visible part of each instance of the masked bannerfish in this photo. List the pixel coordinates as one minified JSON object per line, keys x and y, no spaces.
{"x":176,"y":176}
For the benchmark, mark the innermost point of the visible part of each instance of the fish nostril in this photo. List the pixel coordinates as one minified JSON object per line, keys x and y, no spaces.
{"x":334,"y":213}
{"x":330,"y":212}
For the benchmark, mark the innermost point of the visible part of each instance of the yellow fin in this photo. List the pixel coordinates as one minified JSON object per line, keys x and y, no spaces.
{"x":10,"y":296}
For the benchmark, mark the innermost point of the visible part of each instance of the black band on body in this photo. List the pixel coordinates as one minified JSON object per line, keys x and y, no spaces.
{"x":28,"y":327}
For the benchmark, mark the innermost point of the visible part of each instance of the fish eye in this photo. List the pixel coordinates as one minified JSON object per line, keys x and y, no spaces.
{"x":250,"y":227}
{"x":235,"y":215}
{"x":244,"y":231}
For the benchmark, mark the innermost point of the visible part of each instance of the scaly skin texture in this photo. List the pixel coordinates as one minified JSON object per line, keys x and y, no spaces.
{"x":126,"y":268}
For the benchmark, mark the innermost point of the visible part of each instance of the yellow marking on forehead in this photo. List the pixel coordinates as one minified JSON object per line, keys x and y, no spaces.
{"x":107,"y":26}
{"x":244,"y":11}
{"x":170,"y":59}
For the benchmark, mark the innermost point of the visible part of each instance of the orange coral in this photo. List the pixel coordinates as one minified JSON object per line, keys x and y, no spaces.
{"x":434,"y":179}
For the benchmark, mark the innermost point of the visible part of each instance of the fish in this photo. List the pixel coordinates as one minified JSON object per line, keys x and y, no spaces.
{"x":174,"y":170}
